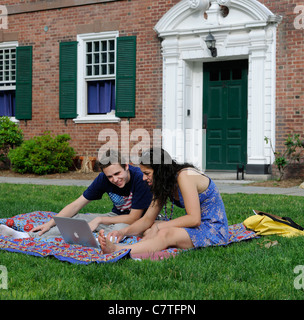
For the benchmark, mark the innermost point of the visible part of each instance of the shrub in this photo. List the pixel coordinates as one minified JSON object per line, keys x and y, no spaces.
{"x":10,"y":136}
{"x":43,"y":154}
{"x":293,"y":153}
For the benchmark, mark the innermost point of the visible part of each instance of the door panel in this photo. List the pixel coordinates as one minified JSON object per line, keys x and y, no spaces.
{"x":225,"y":114}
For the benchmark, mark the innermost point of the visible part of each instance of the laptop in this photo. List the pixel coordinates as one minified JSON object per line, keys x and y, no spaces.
{"x":76,"y":231}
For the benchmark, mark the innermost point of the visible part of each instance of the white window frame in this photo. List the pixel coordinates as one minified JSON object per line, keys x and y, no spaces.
{"x":10,"y":45}
{"x":82,"y":108}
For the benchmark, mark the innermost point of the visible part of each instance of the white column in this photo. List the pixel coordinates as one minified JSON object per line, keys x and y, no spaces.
{"x":257,"y":57}
{"x":170,"y":67}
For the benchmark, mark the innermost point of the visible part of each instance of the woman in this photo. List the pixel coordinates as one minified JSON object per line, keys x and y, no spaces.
{"x":204,"y":224}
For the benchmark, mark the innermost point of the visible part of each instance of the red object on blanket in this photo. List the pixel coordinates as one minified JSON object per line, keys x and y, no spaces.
{"x":10,"y":223}
{"x":28,"y":227}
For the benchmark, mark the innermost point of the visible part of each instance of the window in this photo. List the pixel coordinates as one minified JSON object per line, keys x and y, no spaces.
{"x":100,"y":76}
{"x":96,"y":78}
{"x":7,"y":79}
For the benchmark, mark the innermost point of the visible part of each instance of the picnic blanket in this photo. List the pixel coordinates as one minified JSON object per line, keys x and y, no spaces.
{"x":57,"y":248}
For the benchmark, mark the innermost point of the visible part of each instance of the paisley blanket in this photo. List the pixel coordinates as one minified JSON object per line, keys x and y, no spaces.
{"x":57,"y":248}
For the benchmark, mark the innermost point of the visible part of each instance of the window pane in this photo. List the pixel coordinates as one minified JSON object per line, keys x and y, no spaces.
{"x":236,"y":74}
{"x":96,"y":57}
{"x":89,"y":59}
{"x":96,"y":70}
{"x":89,"y":70}
{"x":103,"y":57}
{"x":112,"y":69}
{"x":112,"y":45}
{"x":89,"y":46}
{"x":111,"y":57}
{"x":96,"y":46}
{"x":104,"y":69}
{"x":214,"y":75}
{"x":225,"y":74}
{"x":104,"y":46}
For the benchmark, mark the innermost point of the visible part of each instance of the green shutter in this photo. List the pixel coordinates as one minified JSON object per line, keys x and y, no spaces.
{"x":125,"y":77}
{"x":24,"y":83}
{"x":68,"y":80}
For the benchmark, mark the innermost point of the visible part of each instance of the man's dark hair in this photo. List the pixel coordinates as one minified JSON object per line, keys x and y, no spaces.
{"x":111,"y":156}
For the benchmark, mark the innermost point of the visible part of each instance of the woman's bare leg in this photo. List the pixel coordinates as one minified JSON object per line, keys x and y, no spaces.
{"x":171,"y":237}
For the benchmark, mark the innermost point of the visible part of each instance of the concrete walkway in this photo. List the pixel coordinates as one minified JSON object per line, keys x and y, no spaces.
{"x":46,"y":181}
{"x":225,"y":186}
{"x":229,"y":186}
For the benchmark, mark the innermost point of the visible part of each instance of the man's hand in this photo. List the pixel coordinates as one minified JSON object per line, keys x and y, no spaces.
{"x":95,"y":223}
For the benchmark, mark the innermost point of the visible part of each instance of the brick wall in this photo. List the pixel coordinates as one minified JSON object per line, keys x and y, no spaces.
{"x":129,"y":18}
{"x":290,"y":77}
{"x":290,"y":71}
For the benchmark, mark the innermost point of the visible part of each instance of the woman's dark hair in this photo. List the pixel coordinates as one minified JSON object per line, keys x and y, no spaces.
{"x":165,"y":171}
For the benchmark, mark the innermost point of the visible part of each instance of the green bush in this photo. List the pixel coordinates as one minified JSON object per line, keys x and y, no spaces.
{"x":293,"y":153}
{"x":10,"y":136}
{"x":43,"y":154}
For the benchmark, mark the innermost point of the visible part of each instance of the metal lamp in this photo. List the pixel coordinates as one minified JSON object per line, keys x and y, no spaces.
{"x":210,"y":42}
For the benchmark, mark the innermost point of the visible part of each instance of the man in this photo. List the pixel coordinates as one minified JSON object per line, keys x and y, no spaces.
{"x":123,"y":183}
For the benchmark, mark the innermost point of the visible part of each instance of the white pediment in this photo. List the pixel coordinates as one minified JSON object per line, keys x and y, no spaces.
{"x":191,"y":16}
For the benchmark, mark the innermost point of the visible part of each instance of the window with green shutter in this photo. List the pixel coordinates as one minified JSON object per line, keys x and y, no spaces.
{"x":24,"y":83}
{"x":68,"y":80}
{"x":126,"y":77}
{"x":106,"y":78}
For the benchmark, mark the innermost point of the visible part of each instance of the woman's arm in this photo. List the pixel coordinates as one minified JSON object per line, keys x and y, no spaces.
{"x":187,"y":184}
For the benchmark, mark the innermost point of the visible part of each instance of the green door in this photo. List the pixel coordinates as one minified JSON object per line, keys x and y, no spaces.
{"x":225,"y":114}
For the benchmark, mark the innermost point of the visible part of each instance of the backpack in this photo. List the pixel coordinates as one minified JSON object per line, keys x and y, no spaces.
{"x":266,"y":224}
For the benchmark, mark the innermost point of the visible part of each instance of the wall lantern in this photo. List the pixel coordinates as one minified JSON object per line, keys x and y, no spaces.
{"x":210,"y":42}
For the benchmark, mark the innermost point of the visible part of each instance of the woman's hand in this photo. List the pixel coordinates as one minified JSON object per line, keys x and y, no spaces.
{"x":151,"y":232}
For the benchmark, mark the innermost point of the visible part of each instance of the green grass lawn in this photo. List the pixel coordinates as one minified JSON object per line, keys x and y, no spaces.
{"x":245,"y":270}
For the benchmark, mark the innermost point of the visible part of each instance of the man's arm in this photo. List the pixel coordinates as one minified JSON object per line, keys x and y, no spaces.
{"x":133,"y":216}
{"x":68,"y":211}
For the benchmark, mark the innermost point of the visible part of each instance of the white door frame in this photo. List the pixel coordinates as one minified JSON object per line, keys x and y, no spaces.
{"x":247,"y":32}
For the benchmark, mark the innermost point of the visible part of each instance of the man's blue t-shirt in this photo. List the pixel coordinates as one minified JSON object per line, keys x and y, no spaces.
{"x":135,"y":194}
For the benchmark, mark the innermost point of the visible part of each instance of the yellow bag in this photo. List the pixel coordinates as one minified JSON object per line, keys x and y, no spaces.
{"x":266,"y":224}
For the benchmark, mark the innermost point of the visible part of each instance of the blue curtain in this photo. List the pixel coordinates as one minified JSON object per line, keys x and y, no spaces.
{"x":7,"y":103}
{"x":101,"y":96}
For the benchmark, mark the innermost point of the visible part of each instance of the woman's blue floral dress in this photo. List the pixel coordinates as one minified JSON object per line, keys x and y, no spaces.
{"x":214,"y":225}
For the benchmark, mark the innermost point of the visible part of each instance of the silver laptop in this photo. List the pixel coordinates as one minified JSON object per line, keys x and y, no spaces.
{"x":76,"y":231}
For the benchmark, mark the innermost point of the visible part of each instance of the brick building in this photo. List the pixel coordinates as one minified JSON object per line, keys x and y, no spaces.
{"x":137,"y":69}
